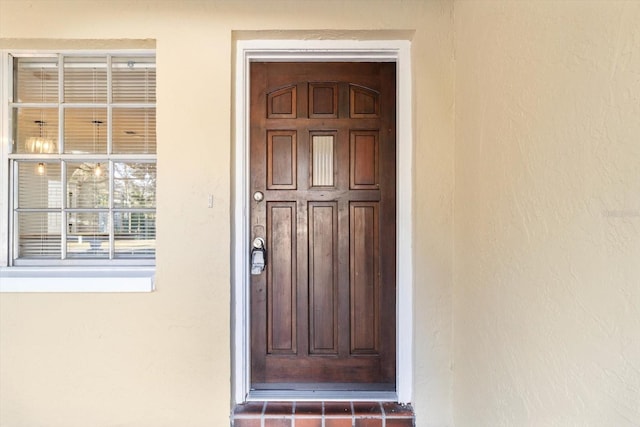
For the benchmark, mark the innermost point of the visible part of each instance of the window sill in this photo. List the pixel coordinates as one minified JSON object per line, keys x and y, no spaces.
{"x":74,"y":279}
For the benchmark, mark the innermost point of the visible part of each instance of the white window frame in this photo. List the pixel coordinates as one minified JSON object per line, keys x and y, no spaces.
{"x":135,"y":277}
{"x":398,"y":51}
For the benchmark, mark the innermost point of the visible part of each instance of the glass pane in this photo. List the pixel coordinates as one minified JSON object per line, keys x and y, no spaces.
{"x":134,"y":130}
{"x":85,"y":79}
{"x":36,"y":130}
{"x":39,"y":185}
{"x":85,"y":130}
{"x":39,"y":234}
{"x":87,"y":185}
{"x":133,"y":79}
{"x":135,"y":234}
{"x":134,"y":185}
{"x":35,"y":80}
{"x":88,"y":235}
{"x":322,"y":153}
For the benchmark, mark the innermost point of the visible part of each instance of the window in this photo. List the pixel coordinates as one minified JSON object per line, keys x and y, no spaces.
{"x":80,"y":159}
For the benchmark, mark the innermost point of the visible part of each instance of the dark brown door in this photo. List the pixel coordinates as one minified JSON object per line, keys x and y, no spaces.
{"x":323,"y":160}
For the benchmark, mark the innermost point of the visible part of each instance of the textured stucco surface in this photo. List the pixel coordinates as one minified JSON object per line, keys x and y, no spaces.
{"x":547,"y":214}
{"x":163,"y":359}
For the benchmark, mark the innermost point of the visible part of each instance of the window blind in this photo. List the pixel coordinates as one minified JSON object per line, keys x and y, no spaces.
{"x":38,"y":78}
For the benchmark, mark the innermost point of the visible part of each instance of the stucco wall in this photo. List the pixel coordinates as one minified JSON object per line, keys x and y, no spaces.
{"x":163,"y":359}
{"x":547,"y":213}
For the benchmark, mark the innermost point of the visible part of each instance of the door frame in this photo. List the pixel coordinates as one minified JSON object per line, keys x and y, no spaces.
{"x":247,"y":51}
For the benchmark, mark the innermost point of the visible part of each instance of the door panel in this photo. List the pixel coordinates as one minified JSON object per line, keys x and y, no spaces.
{"x":323,"y":278}
{"x":364,"y":283}
{"x":364,"y":160}
{"x":323,"y":100}
{"x":281,"y":159}
{"x":281,"y":285}
{"x":323,"y":156}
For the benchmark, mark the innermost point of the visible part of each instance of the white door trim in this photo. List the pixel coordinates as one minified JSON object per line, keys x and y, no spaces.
{"x":398,"y":51}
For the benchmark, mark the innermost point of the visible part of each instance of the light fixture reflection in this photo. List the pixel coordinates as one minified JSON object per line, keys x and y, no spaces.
{"x":98,"y":170}
{"x":40,"y":144}
{"x":40,"y":168}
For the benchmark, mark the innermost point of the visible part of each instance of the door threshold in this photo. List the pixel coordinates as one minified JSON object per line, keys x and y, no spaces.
{"x":321,"y":395}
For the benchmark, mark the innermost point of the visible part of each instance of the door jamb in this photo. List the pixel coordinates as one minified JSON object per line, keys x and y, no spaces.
{"x":248,"y":51}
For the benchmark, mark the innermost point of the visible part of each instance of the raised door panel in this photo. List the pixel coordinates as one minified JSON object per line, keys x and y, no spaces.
{"x":363,"y":165}
{"x":364,"y":102}
{"x":323,"y":278}
{"x":281,"y":103}
{"x":282,"y":148}
{"x":323,"y":100}
{"x":281,"y":283}
{"x":364,"y":283}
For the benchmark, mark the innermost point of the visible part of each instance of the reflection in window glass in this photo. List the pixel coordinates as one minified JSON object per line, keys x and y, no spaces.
{"x":134,"y":185}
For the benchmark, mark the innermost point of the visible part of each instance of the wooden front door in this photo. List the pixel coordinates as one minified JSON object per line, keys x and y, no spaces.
{"x":323,"y":185}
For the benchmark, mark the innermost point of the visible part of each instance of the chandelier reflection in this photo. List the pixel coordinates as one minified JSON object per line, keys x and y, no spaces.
{"x":40,"y":144}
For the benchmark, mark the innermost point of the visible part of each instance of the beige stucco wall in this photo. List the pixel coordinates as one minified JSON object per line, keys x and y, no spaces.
{"x":547,"y":213}
{"x":163,"y":359}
